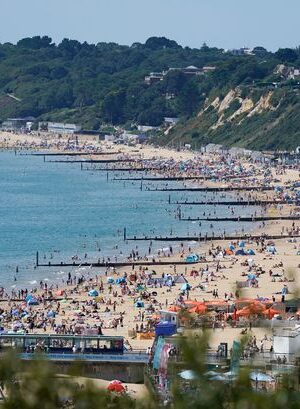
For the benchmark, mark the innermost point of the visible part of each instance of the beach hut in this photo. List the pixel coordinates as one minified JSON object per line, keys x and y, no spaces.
{"x":165,"y":329}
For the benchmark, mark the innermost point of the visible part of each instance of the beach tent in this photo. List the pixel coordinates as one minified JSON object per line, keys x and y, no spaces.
{"x":185,"y":287}
{"x":28,"y":297}
{"x":241,"y":243}
{"x":32,"y":301}
{"x":251,"y":277}
{"x":93,"y":293}
{"x":229,"y":252}
{"x":271,"y":249}
{"x":192,"y":258}
{"x":251,"y":252}
{"x":139,"y":304}
{"x":51,"y":314}
{"x":240,"y":252}
{"x":180,"y":279}
{"x":110,"y":280}
{"x":231,"y":247}
{"x":120,"y":280}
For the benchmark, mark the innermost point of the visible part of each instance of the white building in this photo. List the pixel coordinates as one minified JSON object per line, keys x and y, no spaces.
{"x":58,"y":127}
{"x":287,"y":342}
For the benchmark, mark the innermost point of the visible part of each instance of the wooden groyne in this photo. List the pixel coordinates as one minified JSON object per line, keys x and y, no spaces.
{"x":70,"y":153}
{"x":239,"y":219}
{"x":161,"y":178}
{"x":176,"y":178}
{"x":120,"y":169}
{"x":205,"y":238}
{"x":237,"y":203}
{"x":91,"y":161}
{"x":214,"y":189}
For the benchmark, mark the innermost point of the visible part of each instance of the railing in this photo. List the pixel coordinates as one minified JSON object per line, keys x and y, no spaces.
{"x":127,"y":357}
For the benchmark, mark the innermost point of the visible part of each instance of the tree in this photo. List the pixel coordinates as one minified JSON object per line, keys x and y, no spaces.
{"x":158,"y":43}
{"x":286,"y":55}
{"x":35,"y":43}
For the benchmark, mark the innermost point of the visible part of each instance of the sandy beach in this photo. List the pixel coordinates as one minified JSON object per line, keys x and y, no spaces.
{"x":114,"y":309}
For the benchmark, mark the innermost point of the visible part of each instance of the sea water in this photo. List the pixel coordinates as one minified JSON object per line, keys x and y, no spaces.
{"x":62,"y":212}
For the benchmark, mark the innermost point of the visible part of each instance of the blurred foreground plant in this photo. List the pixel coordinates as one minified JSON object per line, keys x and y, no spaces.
{"x":36,"y":385}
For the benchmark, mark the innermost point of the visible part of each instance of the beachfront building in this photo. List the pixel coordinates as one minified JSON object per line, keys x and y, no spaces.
{"x":191,"y":70}
{"x":59,"y":128}
{"x":287,"y":343}
{"x":18,"y":124}
{"x":154,"y":77}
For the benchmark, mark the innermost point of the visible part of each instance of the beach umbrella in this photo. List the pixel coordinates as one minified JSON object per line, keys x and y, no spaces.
{"x":116,"y":386}
{"x":251,"y":252}
{"x":110,"y":280}
{"x":241,"y":243}
{"x":251,"y":276}
{"x":260,"y":377}
{"x":174,"y":308}
{"x":188,"y":375}
{"x":59,"y":293}
{"x":271,"y":312}
{"x":231,"y":247}
{"x":219,"y":378}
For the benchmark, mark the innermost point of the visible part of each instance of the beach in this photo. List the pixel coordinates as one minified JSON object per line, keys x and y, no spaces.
{"x":127,"y":301}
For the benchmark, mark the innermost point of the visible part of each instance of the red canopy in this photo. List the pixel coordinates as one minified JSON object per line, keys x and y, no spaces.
{"x":198,"y":309}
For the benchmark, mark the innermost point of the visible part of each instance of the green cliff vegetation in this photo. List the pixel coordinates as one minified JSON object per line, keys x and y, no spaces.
{"x":104,"y":83}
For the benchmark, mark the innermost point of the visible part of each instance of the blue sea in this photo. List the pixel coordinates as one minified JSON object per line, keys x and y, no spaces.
{"x":62,"y":211}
